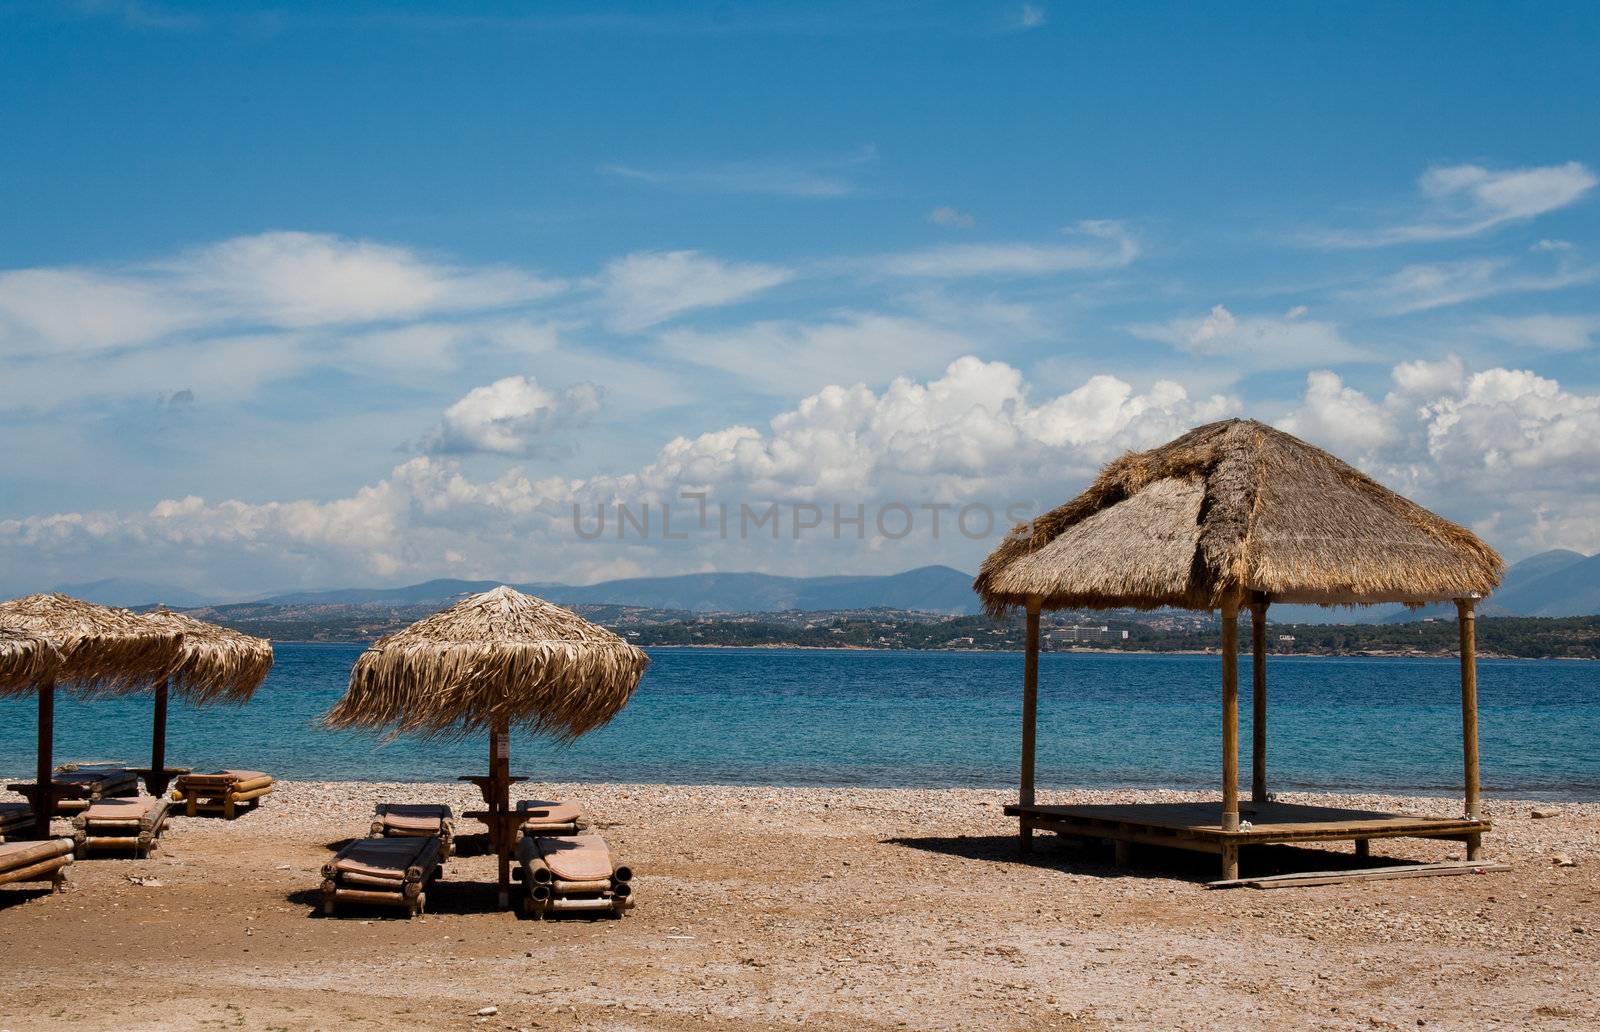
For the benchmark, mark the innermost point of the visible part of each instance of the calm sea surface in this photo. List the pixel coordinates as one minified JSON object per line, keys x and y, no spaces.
{"x":785,"y":717}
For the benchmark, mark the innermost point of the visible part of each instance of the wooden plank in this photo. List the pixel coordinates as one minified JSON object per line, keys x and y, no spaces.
{"x":1309,"y":878}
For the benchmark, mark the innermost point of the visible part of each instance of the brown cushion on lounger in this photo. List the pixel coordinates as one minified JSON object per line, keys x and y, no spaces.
{"x":89,"y":777}
{"x":539,"y":811}
{"x":380,"y":857}
{"x":120,"y":809}
{"x":414,"y":816}
{"x":578,"y":858}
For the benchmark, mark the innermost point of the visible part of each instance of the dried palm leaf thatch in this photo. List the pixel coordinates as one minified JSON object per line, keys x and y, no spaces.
{"x":25,"y":660}
{"x":104,"y":651}
{"x":501,"y":655}
{"x":1227,"y":510}
{"x":216,"y":664}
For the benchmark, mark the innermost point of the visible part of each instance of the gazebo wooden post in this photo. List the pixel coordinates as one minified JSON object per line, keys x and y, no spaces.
{"x":500,"y":832}
{"x":1467,"y":622}
{"x":1230,"y":734}
{"x":1258,"y":699}
{"x":1030,"y":713}
{"x":44,"y":798}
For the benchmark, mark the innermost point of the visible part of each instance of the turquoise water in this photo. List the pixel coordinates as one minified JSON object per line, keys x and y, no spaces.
{"x":771,"y":716}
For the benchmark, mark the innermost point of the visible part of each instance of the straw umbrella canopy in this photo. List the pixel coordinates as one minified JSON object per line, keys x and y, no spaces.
{"x":1233,"y":514}
{"x":25,"y":660}
{"x":102,"y":651}
{"x":490,"y":662}
{"x":215,"y":664}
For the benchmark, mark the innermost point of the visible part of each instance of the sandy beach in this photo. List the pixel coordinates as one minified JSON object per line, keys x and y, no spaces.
{"x":763,"y":908}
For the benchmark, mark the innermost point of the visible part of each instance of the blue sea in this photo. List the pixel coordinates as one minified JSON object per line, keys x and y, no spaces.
{"x":931,"y":719}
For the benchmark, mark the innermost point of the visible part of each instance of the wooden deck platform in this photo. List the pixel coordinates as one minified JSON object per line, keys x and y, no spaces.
{"x":1197,"y":826}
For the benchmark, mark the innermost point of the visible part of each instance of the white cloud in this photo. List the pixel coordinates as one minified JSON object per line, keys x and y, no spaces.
{"x":825,"y":178}
{"x":646,"y":288}
{"x":513,"y":416}
{"x":944,"y":215}
{"x":1545,"y":332}
{"x":1418,"y":288}
{"x":1263,"y":342}
{"x":1100,"y":244}
{"x":783,"y":356}
{"x":1512,"y":454}
{"x":1465,"y":200}
{"x":973,"y":433}
{"x":1031,"y":16}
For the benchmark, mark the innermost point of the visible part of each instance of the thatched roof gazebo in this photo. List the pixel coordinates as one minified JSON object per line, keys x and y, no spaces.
{"x":102,"y":651}
{"x":1232,"y":515}
{"x":490,"y":662}
{"x":215,"y":664}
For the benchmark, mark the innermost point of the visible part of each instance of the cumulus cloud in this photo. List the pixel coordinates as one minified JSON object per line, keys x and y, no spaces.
{"x":1254,"y":341}
{"x":1466,"y":200}
{"x":513,"y":416}
{"x":973,"y":433}
{"x":1097,"y":244}
{"x":646,"y":288}
{"x":1513,"y":454}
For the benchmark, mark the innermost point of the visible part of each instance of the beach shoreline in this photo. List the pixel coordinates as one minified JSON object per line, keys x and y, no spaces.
{"x":781,"y":908}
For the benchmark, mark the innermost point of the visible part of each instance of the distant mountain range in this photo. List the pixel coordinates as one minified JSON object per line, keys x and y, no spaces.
{"x":1554,"y":583}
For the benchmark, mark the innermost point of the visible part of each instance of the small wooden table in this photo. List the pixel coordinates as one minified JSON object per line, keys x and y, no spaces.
{"x":502,"y":823}
{"x":157,"y":779}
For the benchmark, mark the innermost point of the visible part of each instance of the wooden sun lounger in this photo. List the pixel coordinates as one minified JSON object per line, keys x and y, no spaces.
{"x":416,"y":820}
{"x":15,"y":819}
{"x":542,"y":817}
{"x":133,"y":824}
{"x":572,"y":873}
{"x":222,"y":791}
{"x":392,"y":872}
{"x":36,"y":861}
{"x":74,"y":790}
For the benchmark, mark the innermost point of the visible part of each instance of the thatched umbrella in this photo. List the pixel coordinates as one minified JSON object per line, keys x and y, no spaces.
{"x":489,"y":662}
{"x":1232,"y":514}
{"x":215,"y":664}
{"x":25,"y":660}
{"x":102,"y":651}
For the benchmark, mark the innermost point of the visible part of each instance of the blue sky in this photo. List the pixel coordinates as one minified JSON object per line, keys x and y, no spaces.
{"x":300,"y":295}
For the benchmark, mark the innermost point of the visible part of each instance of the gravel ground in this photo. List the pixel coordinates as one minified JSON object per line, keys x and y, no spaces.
{"x":766,"y":908}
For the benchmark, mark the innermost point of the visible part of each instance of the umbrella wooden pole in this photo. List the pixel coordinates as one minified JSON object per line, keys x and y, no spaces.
{"x":1468,"y":623}
{"x":158,"y":742}
{"x":1258,"y":700}
{"x":1230,"y":717}
{"x":44,"y":801}
{"x":500,"y":831}
{"x":1030,"y":714}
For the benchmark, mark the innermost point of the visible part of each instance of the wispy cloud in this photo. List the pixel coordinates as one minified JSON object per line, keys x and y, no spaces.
{"x":646,"y":288}
{"x":1097,"y":244}
{"x":1259,"y":342}
{"x":1545,"y":332}
{"x":953,"y":218}
{"x":1465,"y":200}
{"x":814,"y":178}
{"x":1028,"y":17}
{"x":1417,"y":288}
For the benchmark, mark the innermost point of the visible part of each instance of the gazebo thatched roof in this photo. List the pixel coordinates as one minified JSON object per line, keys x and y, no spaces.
{"x":25,"y":660}
{"x":216,"y":664}
{"x":1230,"y":509}
{"x":498,"y":655}
{"x":103,"y":650}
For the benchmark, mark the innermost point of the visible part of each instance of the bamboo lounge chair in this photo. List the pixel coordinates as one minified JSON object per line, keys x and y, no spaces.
{"x":392,"y":872}
{"x":15,"y":819}
{"x":541,"y":817}
{"x":133,"y":824}
{"x":75,"y":788}
{"x":35,"y":861}
{"x":573,"y":873}
{"x":222,"y":791}
{"x":416,"y":820}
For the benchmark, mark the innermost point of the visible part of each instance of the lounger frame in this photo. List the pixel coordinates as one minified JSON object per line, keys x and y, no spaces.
{"x":16,"y":823}
{"x":220,"y":793}
{"x":140,"y":834}
{"x":409,"y":891}
{"x":49,"y":861}
{"x":446,"y":833}
{"x":545,"y":894}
